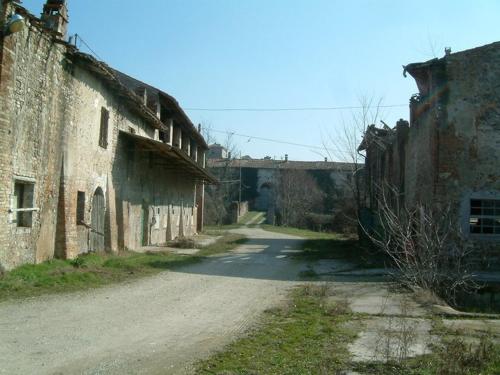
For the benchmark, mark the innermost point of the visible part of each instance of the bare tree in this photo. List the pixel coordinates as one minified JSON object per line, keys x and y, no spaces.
{"x":218,"y":198}
{"x":343,"y":146}
{"x":297,"y":195}
{"x":426,"y":245}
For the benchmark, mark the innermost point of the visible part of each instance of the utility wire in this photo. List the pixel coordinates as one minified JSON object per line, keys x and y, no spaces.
{"x":82,"y":41}
{"x":251,"y":137}
{"x":294,"y":109}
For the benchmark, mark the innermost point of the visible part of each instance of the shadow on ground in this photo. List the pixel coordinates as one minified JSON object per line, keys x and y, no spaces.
{"x":271,"y":256}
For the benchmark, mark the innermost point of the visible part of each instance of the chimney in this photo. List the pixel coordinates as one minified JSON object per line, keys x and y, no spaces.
{"x":55,"y":16}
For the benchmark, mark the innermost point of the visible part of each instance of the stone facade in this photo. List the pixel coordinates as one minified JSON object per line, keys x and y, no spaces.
{"x":451,"y":149}
{"x":76,"y":138}
{"x":261,"y":176}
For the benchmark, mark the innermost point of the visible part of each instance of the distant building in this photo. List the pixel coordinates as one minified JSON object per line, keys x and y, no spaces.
{"x":216,"y":151}
{"x":260,"y":177}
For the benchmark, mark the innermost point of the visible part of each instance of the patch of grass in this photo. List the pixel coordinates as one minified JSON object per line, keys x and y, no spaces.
{"x":212,"y":229}
{"x":250,"y":216}
{"x":323,"y":245}
{"x":304,"y":233}
{"x":307,"y":336}
{"x":451,"y":357}
{"x":96,"y":270}
{"x":226,"y":243}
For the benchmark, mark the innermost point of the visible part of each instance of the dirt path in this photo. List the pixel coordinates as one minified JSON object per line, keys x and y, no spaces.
{"x":155,"y":325}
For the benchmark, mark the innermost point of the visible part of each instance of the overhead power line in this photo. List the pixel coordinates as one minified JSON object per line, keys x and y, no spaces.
{"x":251,"y":137}
{"x":78,"y":38}
{"x":291,"y":109}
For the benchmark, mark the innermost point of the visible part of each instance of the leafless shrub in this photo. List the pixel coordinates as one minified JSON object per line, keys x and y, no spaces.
{"x":298,"y":195}
{"x":425,"y":245}
{"x":315,"y":290}
{"x":458,"y":358}
{"x":338,"y":307}
{"x":398,"y":334}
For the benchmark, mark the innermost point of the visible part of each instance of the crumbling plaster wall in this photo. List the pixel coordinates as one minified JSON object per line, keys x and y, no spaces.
{"x":87,"y":166}
{"x":469,"y":147}
{"x":155,"y":192}
{"x":132,"y":180}
{"x":34,"y":91}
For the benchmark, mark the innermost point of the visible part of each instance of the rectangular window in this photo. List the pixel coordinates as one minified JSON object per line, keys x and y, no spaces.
{"x":103,"y":131}
{"x":80,"y":207}
{"x":23,"y":203}
{"x":485,"y":216}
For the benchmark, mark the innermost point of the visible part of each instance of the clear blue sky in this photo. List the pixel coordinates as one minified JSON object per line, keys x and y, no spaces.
{"x":279,"y":54}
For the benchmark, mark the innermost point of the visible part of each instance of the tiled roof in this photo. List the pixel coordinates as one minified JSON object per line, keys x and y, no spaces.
{"x":281,"y":164}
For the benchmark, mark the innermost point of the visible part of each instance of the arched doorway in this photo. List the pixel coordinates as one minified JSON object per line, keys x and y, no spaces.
{"x":96,"y":238}
{"x":265,"y":197}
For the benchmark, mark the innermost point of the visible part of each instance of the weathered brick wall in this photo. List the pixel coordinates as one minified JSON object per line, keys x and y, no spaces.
{"x":469,"y":158}
{"x":420,"y":168}
{"x":50,"y":114}
{"x":34,"y":90}
{"x":456,"y":141}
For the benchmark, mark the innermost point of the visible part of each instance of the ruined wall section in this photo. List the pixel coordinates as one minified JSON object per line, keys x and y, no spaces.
{"x":34,"y":91}
{"x":420,"y":169}
{"x":469,"y":149}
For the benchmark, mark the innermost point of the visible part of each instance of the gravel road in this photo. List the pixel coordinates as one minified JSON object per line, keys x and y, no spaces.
{"x":156,"y":325}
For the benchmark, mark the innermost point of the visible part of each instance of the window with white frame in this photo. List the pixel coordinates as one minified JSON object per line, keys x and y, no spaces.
{"x":22,"y":203}
{"x":485,"y":216}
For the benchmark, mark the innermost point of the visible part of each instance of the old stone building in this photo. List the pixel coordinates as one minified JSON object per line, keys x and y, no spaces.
{"x":90,"y":159}
{"x":261,"y":179}
{"x":449,"y":153}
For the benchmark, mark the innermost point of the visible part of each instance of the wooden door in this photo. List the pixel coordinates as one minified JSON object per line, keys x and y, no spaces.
{"x":97,"y":222}
{"x":145,"y":225}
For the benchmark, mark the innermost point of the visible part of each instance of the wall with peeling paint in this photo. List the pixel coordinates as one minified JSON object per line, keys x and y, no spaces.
{"x":49,"y":136}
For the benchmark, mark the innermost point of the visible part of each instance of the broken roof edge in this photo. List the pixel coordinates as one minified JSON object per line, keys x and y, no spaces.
{"x":372,"y":132}
{"x":382,"y":136}
{"x":164,"y":148}
{"x":413,"y":68}
{"x":192,"y":128}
